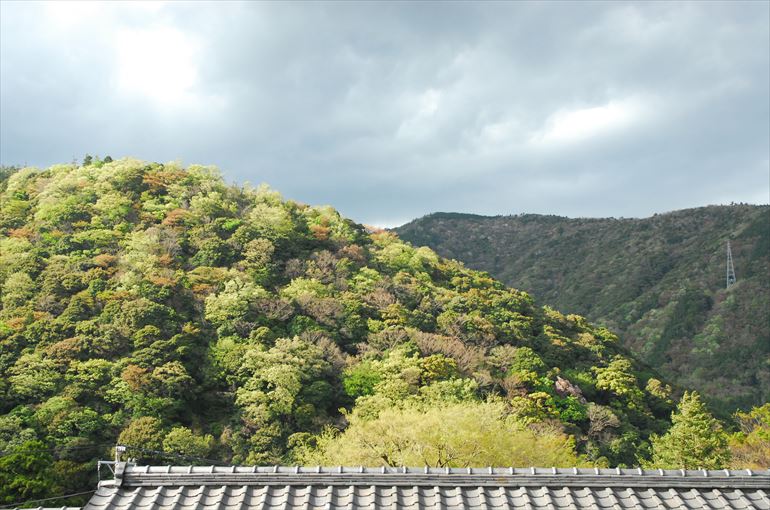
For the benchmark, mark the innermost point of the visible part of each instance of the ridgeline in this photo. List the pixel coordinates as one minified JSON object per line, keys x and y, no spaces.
{"x":658,"y":282}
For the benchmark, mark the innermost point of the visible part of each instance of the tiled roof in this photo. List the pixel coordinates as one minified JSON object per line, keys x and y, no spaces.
{"x":245,"y":488}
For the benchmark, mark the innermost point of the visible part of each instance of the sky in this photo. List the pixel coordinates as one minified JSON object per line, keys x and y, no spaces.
{"x":390,"y":111}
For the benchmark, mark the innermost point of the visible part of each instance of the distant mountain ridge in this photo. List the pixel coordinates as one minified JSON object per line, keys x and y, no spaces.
{"x":658,"y":281}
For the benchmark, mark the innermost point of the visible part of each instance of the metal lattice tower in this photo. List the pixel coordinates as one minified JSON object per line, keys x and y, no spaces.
{"x":730,"y":268}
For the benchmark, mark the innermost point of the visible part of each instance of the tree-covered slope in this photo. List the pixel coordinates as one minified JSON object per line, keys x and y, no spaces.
{"x":659,"y":282}
{"x":156,"y":306}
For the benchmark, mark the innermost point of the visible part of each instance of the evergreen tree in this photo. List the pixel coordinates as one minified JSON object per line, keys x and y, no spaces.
{"x":25,"y":472}
{"x":695,"y":441}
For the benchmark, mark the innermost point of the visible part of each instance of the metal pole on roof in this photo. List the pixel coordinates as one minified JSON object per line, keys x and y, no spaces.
{"x":118,"y":450}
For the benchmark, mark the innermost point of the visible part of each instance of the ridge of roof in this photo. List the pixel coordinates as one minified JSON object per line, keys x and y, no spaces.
{"x":153,"y":476}
{"x":131,"y":468}
{"x":134,"y":469}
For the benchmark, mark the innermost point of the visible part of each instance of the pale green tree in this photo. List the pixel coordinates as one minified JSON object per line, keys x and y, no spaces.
{"x":454,"y":435}
{"x":17,"y":291}
{"x":750,"y":447}
{"x":184,"y":441}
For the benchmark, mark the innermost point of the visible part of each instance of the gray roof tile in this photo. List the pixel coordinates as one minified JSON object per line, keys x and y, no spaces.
{"x":352,"y":488}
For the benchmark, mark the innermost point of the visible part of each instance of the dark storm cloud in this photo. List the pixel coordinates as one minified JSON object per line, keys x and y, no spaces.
{"x":392,"y":110}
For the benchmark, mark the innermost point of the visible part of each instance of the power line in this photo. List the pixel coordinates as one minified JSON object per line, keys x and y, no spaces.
{"x":14,"y":505}
{"x":177,"y":455}
{"x":3,"y":453}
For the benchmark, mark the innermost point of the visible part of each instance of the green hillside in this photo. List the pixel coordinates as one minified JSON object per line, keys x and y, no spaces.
{"x":659,"y":282}
{"x":155,"y":306}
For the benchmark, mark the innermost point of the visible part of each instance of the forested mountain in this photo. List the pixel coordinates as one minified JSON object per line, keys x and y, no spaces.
{"x":156,"y":306}
{"x":197,"y":322}
{"x":658,"y":282}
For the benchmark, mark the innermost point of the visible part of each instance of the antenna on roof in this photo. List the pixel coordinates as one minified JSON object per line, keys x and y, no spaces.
{"x":730,"y":268}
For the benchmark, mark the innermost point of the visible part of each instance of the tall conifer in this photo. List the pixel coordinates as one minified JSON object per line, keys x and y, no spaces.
{"x":695,"y":440}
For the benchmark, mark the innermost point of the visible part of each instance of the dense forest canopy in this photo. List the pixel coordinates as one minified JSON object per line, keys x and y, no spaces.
{"x":658,"y":282}
{"x":155,"y":306}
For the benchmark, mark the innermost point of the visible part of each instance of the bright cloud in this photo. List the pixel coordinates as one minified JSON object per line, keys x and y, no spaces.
{"x":420,"y":121}
{"x":157,"y":63}
{"x":429,"y":102}
{"x":500,"y":133}
{"x":570,"y":126}
{"x":67,"y":14}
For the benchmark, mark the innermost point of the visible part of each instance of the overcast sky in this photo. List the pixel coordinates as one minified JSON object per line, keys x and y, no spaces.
{"x":389,"y":111}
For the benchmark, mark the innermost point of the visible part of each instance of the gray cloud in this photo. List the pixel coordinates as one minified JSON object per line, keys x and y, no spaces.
{"x":392,"y":110}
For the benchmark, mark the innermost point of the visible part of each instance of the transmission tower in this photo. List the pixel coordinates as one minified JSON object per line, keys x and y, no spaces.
{"x":730,"y":268}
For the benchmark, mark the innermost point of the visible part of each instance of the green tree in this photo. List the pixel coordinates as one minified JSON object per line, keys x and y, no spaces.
{"x":360,"y":380}
{"x":26,"y":472}
{"x":145,"y":432}
{"x":34,"y":377}
{"x":17,"y":291}
{"x":618,"y":379}
{"x":455,"y":435}
{"x":184,"y":441}
{"x":286,"y":389}
{"x":695,"y":441}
